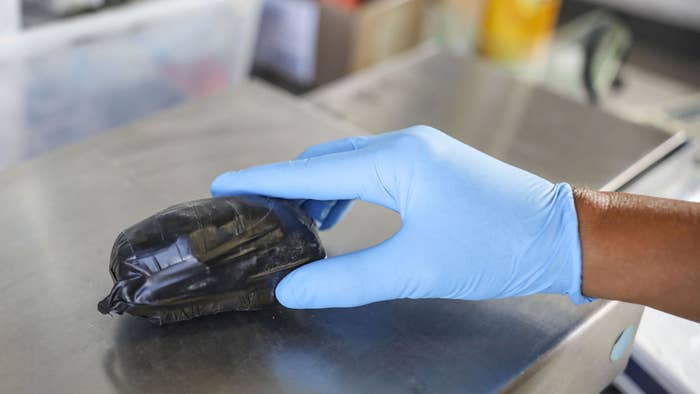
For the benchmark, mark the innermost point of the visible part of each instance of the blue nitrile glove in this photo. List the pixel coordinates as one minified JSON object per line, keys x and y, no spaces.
{"x":473,"y":227}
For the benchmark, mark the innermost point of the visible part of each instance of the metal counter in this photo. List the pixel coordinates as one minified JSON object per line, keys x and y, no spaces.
{"x":484,"y":106}
{"x":62,"y":211}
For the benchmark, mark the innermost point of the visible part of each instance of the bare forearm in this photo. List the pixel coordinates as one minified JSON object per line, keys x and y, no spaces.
{"x":640,"y":249}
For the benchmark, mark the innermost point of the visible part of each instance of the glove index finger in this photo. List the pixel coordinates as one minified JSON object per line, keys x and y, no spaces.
{"x":338,"y":176}
{"x":335,"y":146}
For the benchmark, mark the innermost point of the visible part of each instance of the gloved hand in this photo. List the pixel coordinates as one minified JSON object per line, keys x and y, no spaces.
{"x":473,"y":227}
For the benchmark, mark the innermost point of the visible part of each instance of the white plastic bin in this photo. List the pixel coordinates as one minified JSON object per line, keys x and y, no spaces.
{"x":65,"y":81}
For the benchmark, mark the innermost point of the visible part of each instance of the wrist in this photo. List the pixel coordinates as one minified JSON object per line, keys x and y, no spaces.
{"x":591,"y":208}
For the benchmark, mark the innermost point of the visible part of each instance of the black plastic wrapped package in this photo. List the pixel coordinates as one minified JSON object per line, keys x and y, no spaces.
{"x":208,"y":256}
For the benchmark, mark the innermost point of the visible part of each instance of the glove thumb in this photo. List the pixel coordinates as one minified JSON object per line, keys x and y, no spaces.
{"x":349,"y":280}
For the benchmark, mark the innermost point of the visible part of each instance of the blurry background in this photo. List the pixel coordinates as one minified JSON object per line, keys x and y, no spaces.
{"x":70,"y":69}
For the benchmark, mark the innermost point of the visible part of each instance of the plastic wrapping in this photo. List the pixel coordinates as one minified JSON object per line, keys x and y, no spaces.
{"x":208,"y":256}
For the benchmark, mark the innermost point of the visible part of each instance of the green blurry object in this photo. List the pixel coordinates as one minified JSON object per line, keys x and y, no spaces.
{"x":587,"y":55}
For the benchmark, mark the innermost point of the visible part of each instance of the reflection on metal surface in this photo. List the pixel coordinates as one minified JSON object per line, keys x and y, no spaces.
{"x":483,"y":106}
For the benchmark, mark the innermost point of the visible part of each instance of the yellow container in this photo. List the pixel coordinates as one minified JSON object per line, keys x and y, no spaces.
{"x":517,"y":30}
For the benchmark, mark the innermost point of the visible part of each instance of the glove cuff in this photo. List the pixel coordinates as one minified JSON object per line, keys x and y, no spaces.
{"x":568,"y":255}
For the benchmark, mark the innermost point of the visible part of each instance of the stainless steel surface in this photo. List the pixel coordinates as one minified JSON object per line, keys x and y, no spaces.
{"x":62,"y":211}
{"x":525,"y":125}
{"x":483,"y":106}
